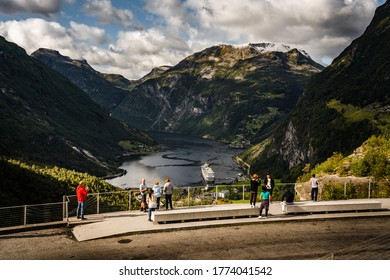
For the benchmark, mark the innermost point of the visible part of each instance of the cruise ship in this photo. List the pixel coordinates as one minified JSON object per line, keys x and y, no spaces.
{"x":208,"y":174}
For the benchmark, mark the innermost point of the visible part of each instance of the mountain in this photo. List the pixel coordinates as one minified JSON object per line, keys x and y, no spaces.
{"x":229,"y":93}
{"x":340,"y":108}
{"x":105,"y":89}
{"x":47,"y":119}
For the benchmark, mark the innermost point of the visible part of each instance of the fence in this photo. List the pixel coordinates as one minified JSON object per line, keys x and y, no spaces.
{"x":98,"y":203}
{"x":32,"y":214}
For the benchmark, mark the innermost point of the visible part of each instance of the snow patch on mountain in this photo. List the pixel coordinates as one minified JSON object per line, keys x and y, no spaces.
{"x":270,"y":47}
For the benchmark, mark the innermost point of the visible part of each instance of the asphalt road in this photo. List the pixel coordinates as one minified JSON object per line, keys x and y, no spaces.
{"x":350,"y":239}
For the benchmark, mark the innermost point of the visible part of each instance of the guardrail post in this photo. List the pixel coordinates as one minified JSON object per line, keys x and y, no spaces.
{"x":63,"y":206}
{"x":188,"y":194}
{"x":369,"y":188}
{"x":243,"y":193}
{"x":25,"y":215}
{"x":97,"y":204}
{"x":129,"y":200}
{"x":216,"y":194}
{"x":67,"y":211}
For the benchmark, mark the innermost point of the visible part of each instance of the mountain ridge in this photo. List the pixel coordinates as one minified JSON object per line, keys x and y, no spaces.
{"x":47,"y":119}
{"x":105,"y":90}
{"x":340,"y":108}
{"x":194,"y":96}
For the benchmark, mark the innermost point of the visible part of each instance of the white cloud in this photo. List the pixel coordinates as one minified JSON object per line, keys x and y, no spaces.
{"x":302,"y":23}
{"x":106,"y":13}
{"x":179,"y":28}
{"x":44,"y":7}
{"x":35,"y":33}
{"x":86,"y":33}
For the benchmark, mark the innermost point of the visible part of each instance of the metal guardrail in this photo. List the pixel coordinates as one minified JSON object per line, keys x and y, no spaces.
{"x":32,"y":214}
{"x":98,"y":203}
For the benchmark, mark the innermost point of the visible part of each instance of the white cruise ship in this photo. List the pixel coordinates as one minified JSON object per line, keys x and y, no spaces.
{"x":208,"y":173}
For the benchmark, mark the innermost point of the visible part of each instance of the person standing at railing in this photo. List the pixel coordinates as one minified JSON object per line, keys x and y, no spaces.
{"x":143,"y":188}
{"x":254,"y":189}
{"x":269,"y":183}
{"x":314,"y":188}
{"x":81,"y":193}
{"x":168,"y":190}
{"x":157,"y":192}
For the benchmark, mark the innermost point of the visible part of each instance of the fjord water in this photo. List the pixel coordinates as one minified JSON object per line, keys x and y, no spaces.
{"x":180,"y":159}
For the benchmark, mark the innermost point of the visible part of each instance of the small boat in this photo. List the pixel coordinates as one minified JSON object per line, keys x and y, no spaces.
{"x":208,"y":174}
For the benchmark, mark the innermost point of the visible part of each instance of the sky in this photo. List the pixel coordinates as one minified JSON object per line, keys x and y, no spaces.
{"x":131,"y":37}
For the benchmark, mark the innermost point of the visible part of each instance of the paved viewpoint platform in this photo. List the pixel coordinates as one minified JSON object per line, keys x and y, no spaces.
{"x":135,"y":222}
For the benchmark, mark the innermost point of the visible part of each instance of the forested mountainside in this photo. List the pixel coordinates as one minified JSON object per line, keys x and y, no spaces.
{"x":46,"y":119}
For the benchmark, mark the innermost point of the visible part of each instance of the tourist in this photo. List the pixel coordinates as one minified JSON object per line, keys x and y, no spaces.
{"x":157,"y":192}
{"x":168,"y":190}
{"x":289,"y":196}
{"x":152,"y":204}
{"x":81,"y":193}
{"x":269,"y":183}
{"x":314,"y":188}
{"x":265,"y":198}
{"x":143,"y":188}
{"x":254,"y":188}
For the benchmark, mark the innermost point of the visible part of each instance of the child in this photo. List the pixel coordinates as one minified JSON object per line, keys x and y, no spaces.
{"x":265,"y":198}
{"x":152,"y":204}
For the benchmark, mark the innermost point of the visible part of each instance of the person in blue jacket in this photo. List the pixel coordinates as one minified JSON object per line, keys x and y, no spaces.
{"x":157,"y":192}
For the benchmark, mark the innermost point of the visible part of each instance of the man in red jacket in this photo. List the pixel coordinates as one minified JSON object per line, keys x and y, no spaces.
{"x":81,"y":193}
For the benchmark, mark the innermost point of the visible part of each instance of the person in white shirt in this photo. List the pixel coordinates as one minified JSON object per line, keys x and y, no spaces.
{"x":314,"y":188}
{"x":143,"y":188}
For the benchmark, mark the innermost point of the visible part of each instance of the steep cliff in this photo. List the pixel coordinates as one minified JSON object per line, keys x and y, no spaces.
{"x":235,"y":94}
{"x":340,"y":108}
{"x":106,"y":90}
{"x":46,"y":119}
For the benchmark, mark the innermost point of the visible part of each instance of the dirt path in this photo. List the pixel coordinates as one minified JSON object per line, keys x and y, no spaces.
{"x":363,"y":238}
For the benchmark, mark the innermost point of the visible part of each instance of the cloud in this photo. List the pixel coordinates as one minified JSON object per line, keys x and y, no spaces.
{"x":107,"y":14}
{"x":78,"y":41}
{"x":88,"y":34}
{"x":35,"y":33}
{"x":44,"y":7}
{"x":179,"y":28}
